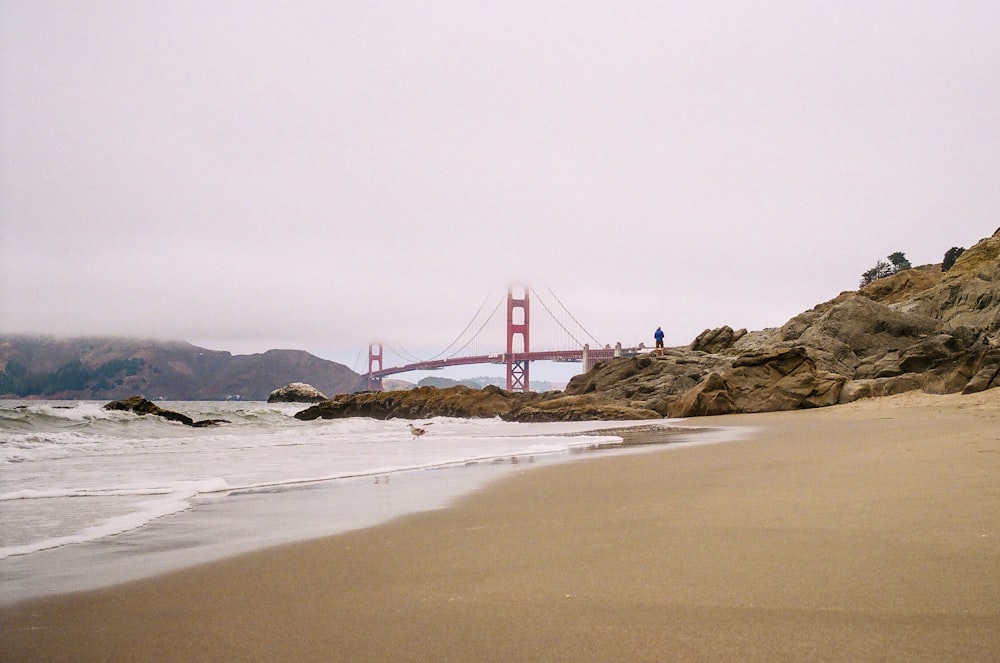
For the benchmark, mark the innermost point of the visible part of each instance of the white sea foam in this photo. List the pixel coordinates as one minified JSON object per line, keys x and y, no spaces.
{"x":215,"y":485}
{"x":143,"y":513}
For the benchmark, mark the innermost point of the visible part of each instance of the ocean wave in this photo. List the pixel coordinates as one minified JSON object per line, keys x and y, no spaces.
{"x":173,"y":499}
{"x":53,"y":415}
{"x":190,"y":488}
{"x":144,"y":513}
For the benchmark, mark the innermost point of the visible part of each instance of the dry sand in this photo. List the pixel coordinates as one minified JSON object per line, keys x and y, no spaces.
{"x":863,"y":532}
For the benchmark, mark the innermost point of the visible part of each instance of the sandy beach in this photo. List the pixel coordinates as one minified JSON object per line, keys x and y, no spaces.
{"x":863,"y":532}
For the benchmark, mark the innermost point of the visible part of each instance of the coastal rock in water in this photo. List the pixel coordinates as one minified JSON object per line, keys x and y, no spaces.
{"x":141,"y":406}
{"x":421,"y":402}
{"x":296,"y":392}
{"x":462,"y":401}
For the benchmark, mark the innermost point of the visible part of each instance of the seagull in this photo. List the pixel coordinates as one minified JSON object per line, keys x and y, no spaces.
{"x":417,"y":432}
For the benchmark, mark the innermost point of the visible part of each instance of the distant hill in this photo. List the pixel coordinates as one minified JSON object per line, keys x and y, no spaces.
{"x":110,"y":368}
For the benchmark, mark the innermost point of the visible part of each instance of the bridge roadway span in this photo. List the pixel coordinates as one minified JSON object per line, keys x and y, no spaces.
{"x":593,"y":356}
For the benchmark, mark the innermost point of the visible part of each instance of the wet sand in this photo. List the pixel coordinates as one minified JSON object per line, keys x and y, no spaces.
{"x":869,"y":531}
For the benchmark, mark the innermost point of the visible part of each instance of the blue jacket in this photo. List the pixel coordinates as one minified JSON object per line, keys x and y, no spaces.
{"x":659,"y":334}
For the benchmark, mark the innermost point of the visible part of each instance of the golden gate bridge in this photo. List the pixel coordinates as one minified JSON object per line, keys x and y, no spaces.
{"x":491,"y":338}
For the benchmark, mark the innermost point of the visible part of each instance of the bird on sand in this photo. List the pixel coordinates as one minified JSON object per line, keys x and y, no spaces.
{"x":417,"y":432}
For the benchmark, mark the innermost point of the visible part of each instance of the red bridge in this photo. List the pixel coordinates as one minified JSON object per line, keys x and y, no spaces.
{"x":517,"y":355}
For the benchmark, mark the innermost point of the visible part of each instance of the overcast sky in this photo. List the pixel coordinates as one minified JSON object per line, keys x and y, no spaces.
{"x":316,"y":175}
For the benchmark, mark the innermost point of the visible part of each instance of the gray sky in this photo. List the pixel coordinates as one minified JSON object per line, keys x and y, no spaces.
{"x":247,"y":175}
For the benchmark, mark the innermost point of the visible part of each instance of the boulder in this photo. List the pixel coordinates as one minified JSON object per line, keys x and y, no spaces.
{"x":710,"y":397}
{"x":647,"y":382}
{"x":142,"y":407}
{"x":765,"y":381}
{"x":716,"y":340}
{"x":876,"y":387}
{"x":987,"y":375}
{"x":296,"y":392}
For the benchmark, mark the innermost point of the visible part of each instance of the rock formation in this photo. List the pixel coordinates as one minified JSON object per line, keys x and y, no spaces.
{"x":296,"y":392}
{"x":141,"y":406}
{"x":918,"y":329}
{"x":462,"y":401}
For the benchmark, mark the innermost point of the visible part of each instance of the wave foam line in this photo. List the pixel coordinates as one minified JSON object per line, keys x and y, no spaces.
{"x":148,"y":511}
{"x":179,"y":500}
{"x":435,"y":465}
{"x":216,"y":485}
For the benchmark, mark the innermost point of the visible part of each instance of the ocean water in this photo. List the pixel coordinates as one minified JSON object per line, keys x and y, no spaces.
{"x":89,"y":497}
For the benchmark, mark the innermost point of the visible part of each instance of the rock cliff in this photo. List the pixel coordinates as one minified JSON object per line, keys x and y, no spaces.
{"x":918,"y":329}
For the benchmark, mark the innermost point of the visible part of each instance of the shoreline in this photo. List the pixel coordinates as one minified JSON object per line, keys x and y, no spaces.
{"x":857,"y":532}
{"x":225,"y":525}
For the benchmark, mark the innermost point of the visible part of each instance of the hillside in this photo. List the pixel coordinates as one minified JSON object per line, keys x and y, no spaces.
{"x":110,"y":368}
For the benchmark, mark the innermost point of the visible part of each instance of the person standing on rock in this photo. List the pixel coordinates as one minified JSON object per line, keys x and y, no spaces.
{"x":658,"y":336}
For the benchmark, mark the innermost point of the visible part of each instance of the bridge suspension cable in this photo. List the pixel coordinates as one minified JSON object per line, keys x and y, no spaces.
{"x":462,"y":333}
{"x":478,"y":331}
{"x":404,"y":353}
{"x":559,"y":322}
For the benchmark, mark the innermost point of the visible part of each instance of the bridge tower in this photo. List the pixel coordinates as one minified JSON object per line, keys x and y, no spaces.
{"x":517,"y":330}
{"x":374,"y":364}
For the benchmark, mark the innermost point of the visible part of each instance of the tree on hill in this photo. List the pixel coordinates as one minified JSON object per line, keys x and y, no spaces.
{"x":950,"y":256}
{"x":881,"y":270}
{"x":897,"y":263}
{"x":16,"y":379}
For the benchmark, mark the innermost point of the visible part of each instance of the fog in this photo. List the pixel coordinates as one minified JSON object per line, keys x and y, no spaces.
{"x":318,"y":175}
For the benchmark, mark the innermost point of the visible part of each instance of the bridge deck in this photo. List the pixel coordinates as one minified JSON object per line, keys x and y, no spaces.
{"x":599,"y":354}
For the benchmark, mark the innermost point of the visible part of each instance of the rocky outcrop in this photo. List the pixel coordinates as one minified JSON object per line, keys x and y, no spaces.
{"x":918,"y":329}
{"x":462,"y":401}
{"x":987,"y":375}
{"x":968,"y":294}
{"x":780,"y":379}
{"x":717,"y":340}
{"x":141,"y":406}
{"x":296,"y":392}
